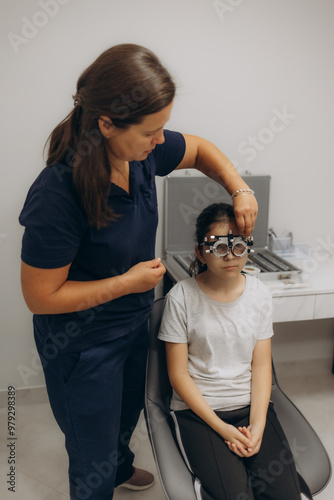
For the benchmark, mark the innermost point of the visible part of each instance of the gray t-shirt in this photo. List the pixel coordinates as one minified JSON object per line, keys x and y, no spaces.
{"x":221,"y":338}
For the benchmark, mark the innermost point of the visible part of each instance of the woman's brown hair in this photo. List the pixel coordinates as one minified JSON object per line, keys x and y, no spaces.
{"x":125,"y":83}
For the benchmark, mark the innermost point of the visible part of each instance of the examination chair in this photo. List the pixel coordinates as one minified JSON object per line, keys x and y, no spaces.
{"x":312,"y":461}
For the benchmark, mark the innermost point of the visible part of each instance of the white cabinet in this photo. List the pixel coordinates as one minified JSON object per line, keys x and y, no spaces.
{"x":293,"y":308}
{"x":324,"y":306}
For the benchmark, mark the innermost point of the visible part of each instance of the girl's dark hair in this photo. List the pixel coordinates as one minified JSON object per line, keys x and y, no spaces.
{"x":215,"y":213}
{"x":125,"y":83}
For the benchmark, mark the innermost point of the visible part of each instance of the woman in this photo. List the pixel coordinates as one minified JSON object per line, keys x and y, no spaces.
{"x":217,"y":327}
{"x":88,"y":263}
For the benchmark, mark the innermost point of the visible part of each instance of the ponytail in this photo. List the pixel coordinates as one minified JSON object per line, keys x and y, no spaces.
{"x":64,"y":137}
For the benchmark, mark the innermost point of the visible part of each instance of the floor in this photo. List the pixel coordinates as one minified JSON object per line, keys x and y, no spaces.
{"x":42,"y":462}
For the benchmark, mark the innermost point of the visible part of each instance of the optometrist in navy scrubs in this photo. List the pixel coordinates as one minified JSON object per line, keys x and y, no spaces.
{"x":88,"y":256}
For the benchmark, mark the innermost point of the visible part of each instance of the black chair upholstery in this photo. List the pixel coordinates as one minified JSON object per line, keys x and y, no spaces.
{"x":311,"y":458}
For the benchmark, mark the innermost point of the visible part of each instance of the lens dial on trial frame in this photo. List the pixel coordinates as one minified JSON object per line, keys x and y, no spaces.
{"x":221,"y":245}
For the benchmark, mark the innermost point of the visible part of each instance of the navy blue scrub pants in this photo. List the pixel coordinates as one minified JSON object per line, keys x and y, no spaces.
{"x":270,"y":474}
{"x":96,"y":396}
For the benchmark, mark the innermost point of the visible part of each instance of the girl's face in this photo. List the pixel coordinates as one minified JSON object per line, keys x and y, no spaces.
{"x":228,"y":266}
{"x":137,"y":141}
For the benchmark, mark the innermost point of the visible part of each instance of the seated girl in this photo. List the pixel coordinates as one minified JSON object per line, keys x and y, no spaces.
{"x":217,"y":326}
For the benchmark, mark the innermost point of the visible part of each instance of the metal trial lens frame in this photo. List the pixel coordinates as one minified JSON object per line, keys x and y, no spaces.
{"x":238,"y":244}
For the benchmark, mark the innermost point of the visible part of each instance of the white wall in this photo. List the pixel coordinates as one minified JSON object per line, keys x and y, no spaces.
{"x":238,"y":64}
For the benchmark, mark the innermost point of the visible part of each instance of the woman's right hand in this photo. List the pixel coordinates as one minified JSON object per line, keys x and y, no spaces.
{"x":144,"y":276}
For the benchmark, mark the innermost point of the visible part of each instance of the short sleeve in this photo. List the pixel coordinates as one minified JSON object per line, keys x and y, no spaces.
{"x":169,"y":154}
{"x":173,"y":326}
{"x":54,"y":227}
{"x":266,"y":330}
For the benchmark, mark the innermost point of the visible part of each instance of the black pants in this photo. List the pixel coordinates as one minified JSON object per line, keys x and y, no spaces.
{"x":268,"y":475}
{"x":96,"y":396}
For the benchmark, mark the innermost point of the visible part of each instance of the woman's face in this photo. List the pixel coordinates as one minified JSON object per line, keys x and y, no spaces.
{"x":137,"y":141}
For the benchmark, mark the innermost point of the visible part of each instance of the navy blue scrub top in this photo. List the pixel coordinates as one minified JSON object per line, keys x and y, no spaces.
{"x":57,"y":234}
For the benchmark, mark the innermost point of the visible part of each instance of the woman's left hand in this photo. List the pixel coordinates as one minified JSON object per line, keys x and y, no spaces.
{"x":245,"y":209}
{"x":208,"y":159}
